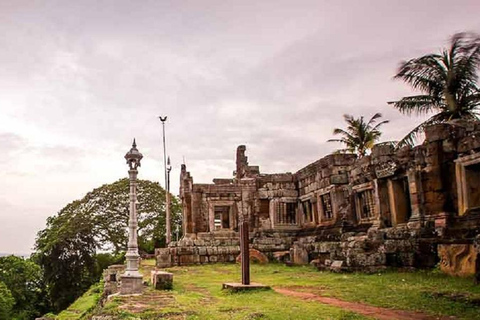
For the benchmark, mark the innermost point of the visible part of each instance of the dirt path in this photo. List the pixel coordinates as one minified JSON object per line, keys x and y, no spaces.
{"x":364,"y":309}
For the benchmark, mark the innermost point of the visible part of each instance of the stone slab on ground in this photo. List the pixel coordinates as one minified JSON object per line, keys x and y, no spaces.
{"x":336,"y":266}
{"x":237,"y":287}
{"x":161,"y":280}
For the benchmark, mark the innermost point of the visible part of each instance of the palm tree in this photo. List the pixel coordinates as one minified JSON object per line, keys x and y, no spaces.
{"x":360,"y":136}
{"x":448,"y":82}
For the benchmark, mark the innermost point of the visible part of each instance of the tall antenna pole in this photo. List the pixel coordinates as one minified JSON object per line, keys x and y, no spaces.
{"x":167,"y":191}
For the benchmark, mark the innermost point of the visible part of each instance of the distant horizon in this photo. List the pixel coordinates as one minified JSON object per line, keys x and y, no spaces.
{"x":4,"y":254}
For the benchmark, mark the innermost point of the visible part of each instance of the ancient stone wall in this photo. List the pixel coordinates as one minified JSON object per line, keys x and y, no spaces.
{"x":394,"y":207}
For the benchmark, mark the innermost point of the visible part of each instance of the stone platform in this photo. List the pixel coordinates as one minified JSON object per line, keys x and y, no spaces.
{"x":131,"y":284}
{"x":236,"y":286}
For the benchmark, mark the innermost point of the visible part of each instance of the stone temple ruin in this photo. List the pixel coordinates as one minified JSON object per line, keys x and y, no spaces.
{"x":412,"y":207}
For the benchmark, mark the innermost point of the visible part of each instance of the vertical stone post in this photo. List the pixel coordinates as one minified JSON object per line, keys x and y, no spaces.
{"x":132,"y":279}
{"x":132,"y":255}
{"x":245,"y":253}
{"x":377,"y":223}
{"x":416,"y":197}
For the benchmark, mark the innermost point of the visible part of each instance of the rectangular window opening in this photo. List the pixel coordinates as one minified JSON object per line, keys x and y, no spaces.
{"x":326,"y":202}
{"x":308,"y":211}
{"x":222,"y":217}
{"x":291,"y":214}
{"x":401,"y":208}
{"x":472,"y":179}
{"x":264,"y":210}
{"x":366,"y":204}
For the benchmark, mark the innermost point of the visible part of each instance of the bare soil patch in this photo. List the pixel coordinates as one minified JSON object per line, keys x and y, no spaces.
{"x":364,"y":309}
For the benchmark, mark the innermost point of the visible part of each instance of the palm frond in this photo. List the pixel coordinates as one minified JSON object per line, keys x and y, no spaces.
{"x":419,"y":105}
{"x":409,"y":139}
{"x":374,"y":118}
{"x":448,"y":82}
{"x":380,"y":124}
{"x":359,"y":136}
{"x":425,"y":73}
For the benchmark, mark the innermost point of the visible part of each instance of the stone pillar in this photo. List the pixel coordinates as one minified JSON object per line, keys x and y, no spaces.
{"x":132,"y":280}
{"x":377,"y":222}
{"x":416,"y":197}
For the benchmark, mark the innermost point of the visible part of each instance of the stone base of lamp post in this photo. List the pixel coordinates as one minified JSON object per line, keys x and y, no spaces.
{"x":131,"y":284}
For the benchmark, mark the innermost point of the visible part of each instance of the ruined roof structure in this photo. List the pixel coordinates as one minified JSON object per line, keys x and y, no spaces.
{"x":411,"y":207}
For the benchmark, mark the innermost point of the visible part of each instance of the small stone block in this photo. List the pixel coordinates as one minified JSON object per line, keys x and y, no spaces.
{"x":162,"y":280}
{"x":336,"y":265}
{"x":237,"y":287}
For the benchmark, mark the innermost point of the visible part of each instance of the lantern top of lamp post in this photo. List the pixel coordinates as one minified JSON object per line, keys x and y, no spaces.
{"x":133,"y":157}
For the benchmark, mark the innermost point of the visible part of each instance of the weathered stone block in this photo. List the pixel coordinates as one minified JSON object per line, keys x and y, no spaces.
{"x":281,"y":256}
{"x":161,"y":280}
{"x":341,"y":178}
{"x":131,"y":285}
{"x":468,"y":143}
{"x":255,"y":256}
{"x":457,"y":259}
{"x":300,"y":255}
{"x":185,"y":259}
{"x":211,"y":251}
{"x":185,"y":251}
{"x":199,"y":242}
{"x":336,"y":265}
{"x":164,"y":258}
{"x":437,"y":132}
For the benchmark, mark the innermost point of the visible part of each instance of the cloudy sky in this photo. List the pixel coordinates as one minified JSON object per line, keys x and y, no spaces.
{"x":80,"y":79}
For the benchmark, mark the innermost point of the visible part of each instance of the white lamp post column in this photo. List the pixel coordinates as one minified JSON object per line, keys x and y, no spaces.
{"x":132,"y":279}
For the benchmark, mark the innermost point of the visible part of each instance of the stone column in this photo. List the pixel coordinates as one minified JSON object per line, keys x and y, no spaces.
{"x":416,"y":197}
{"x":132,"y":255}
{"x":377,"y":222}
{"x":132,"y":280}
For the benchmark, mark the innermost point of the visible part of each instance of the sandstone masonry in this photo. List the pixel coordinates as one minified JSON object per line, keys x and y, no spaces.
{"x":412,"y":207}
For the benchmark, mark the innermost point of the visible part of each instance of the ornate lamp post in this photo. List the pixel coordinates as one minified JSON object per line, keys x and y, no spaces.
{"x":132,"y":278}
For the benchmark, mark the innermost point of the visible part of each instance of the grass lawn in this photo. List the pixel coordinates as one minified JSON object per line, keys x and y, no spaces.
{"x":197,"y":294}
{"x":83,"y":305}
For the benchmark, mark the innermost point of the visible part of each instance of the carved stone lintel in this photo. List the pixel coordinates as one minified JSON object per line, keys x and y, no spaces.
{"x":386,"y":169}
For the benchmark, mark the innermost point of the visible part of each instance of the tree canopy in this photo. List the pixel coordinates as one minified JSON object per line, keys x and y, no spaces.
{"x":24,"y":280}
{"x":447,"y":82}
{"x":67,"y":248}
{"x":360,"y":136}
{"x":6,"y":302}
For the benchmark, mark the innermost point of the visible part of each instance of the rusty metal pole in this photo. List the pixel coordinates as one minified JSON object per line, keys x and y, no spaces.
{"x":245,"y":252}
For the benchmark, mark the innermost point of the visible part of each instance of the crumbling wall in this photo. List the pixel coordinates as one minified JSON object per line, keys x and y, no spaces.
{"x":394,"y":207}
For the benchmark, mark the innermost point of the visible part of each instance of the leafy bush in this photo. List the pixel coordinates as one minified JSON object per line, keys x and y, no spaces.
{"x":6,"y":302}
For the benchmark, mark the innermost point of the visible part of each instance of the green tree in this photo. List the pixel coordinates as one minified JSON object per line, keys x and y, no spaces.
{"x":6,"y":302}
{"x":66,"y":252}
{"x":360,"y":136}
{"x":108,"y":208}
{"x":67,"y":248}
{"x":447,"y":81}
{"x":25,"y":282}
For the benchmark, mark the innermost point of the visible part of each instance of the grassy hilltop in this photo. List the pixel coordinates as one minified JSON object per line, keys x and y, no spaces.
{"x":197,"y":294}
